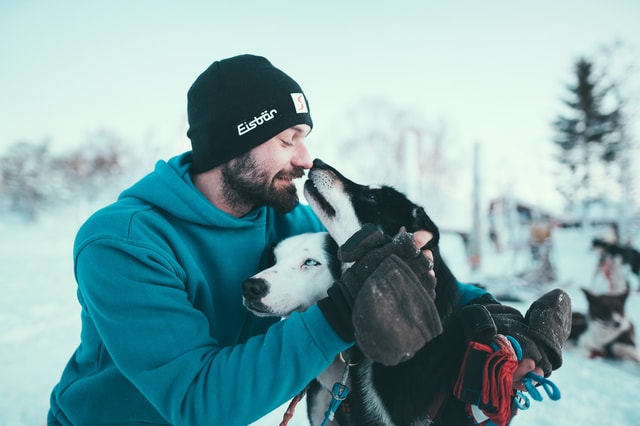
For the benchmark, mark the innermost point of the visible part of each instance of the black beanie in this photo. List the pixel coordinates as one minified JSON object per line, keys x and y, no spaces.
{"x":237,"y":104}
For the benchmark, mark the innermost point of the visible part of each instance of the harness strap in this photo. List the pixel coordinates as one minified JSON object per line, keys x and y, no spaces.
{"x":288,"y":415}
{"x":339,"y":392}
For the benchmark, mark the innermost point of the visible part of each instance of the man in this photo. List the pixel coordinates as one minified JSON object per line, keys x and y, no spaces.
{"x":165,"y":338}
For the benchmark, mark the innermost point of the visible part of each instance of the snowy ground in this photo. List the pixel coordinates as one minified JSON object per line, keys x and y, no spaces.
{"x":39,"y":328}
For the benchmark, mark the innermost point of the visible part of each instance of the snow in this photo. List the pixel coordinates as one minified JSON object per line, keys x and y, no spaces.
{"x":39,"y":325}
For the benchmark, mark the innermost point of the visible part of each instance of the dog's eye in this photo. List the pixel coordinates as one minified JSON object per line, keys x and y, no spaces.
{"x":311,"y":262}
{"x":369,"y":197}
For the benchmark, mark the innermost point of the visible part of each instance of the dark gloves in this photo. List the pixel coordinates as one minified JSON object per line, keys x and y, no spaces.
{"x":385,"y":300}
{"x":338,"y":307}
{"x":543,"y":330}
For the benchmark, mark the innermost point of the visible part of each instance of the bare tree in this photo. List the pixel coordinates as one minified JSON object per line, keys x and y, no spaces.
{"x":388,"y":144}
{"x":23,"y":185}
{"x":32,"y":178}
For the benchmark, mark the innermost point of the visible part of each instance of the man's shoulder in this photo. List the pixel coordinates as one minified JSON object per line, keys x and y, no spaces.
{"x":117,"y":220}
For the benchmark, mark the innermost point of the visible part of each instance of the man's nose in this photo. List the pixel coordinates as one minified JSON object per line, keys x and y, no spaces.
{"x":302,"y":157}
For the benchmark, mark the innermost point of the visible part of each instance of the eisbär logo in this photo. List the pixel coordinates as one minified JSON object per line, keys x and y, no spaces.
{"x":259,"y":120}
{"x":299,"y":102}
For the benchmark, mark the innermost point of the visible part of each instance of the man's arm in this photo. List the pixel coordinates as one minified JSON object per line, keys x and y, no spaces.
{"x":163,"y":345}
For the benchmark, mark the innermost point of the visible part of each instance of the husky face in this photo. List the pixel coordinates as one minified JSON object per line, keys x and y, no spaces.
{"x":344,"y":206}
{"x":305,"y":267}
{"x":608,"y":332}
{"x":608,"y":310}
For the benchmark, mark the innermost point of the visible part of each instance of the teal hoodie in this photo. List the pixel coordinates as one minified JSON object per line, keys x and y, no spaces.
{"x":165,"y":338}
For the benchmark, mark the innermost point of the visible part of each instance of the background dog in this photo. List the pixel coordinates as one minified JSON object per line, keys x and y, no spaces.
{"x":605,"y":330}
{"x":630,"y":256}
{"x":614,"y":259}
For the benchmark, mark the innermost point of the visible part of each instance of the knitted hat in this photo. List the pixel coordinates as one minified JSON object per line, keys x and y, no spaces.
{"x":237,"y":104}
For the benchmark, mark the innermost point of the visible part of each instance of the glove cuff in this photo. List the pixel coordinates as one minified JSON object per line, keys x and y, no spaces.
{"x":362,"y":242}
{"x":337,"y":309}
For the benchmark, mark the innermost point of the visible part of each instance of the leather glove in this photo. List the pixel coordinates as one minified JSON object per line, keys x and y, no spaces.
{"x":549,"y":319}
{"x":338,"y":306}
{"x":543,"y":330}
{"x":388,"y":295}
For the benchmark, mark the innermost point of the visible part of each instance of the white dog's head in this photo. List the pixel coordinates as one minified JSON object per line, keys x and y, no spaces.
{"x":305,"y":267}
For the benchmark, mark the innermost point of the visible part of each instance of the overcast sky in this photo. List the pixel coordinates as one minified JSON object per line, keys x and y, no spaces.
{"x":494,"y":71}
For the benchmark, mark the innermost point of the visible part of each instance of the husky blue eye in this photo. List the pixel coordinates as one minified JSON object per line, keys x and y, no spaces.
{"x":311,"y":262}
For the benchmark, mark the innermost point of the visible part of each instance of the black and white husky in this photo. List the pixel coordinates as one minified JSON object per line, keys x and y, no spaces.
{"x":605,"y":330}
{"x":309,"y":261}
{"x":414,"y":392}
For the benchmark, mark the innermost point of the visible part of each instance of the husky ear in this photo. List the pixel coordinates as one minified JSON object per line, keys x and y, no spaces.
{"x":588,"y":293}
{"x":422,"y":221}
{"x":625,"y":293}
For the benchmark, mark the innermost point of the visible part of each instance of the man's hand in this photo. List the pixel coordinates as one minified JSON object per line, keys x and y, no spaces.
{"x":420,"y":239}
{"x":543,"y":330}
{"x":525,"y":366}
{"x":394,"y":314}
{"x":385,"y":300}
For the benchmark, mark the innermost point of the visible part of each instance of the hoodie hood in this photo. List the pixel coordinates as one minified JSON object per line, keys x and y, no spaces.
{"x":170,"y":188}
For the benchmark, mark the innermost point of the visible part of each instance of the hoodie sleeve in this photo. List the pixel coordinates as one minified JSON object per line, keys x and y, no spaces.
{"x":470,"y":293}
{"x":160,"y":342}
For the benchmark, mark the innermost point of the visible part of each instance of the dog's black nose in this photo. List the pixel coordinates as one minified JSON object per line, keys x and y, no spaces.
{"x":319,"y":164}
{"x":254,"y":288}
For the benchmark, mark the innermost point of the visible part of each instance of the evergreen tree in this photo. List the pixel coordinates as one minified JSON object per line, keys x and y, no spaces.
{"x":588,"y":136}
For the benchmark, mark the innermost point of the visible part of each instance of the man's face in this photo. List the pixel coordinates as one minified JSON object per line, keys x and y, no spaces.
{"x":264,"y":175}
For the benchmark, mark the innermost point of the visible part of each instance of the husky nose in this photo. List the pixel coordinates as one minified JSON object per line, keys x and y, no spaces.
{"x":319,"y":164}
{"x":254,"y":288}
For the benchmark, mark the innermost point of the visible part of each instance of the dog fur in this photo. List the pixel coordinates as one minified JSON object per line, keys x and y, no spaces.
{"x":627,"y":254}
{"x":310,"y":260}
{"x":417,"y":391}
{"x":605,"y":330}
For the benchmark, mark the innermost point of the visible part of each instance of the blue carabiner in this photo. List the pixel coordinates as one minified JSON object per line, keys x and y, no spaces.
{"x":521,"y":401}
{"x":552,"y":391}
{"x":338,"y":394}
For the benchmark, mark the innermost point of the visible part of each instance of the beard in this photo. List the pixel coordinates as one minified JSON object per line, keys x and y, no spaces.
{"x":248,"y":184}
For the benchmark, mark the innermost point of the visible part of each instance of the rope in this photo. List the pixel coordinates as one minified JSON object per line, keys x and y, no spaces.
{"x":486,"y":376}
{"x":338,"y":394}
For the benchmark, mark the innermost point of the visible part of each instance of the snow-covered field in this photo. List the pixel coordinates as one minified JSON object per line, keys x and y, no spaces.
{"x":39,"y":327}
